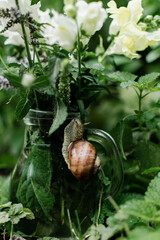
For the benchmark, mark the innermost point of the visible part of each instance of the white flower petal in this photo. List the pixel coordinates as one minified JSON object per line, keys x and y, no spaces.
{"x":135,"y":7}
{"x":90,"y":17}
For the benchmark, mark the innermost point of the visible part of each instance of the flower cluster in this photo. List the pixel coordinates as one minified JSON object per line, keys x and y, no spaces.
{"x":57,"y":69}
{"x":130,"y":34}
{"x":58,"y":28}
{"x":10,"y":22}
{"x":4,"y":83}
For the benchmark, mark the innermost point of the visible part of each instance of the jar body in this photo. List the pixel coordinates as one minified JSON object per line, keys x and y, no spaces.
{"x":42,"y":181}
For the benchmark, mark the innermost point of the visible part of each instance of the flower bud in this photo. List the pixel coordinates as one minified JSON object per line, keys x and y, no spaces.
{"x":70,"y":10}
{"x":28,"y":80}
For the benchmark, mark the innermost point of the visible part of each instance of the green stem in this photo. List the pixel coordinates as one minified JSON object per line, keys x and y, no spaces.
{"x":62,"y":206}
{"x":99,"y":207}
{"x":11,"y":233}
{"x":78,"y":222}
{"x":140,"y":96}
{"x":116,"y":207}
{"x":39,"y":61}
{"x":6,"y":67}
{"x":70,"y":222}
{"x":36,"y":99}
{"x":79,"y":60}
{"x":25,"y":39}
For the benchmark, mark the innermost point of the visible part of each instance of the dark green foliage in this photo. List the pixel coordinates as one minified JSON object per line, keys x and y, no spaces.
{"x":34,"y":187}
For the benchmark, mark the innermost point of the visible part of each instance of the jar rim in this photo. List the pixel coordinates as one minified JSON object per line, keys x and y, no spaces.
{"x":36,"y":115}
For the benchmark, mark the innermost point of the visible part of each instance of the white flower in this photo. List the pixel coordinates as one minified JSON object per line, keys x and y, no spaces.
{"x":90,"y":16}
{"x":69,"y":8}
{"x":123,"y":15}
{"x":28,"y":79}
{"x":130,"y":40}
{"x":25,"y":6}
{"x":48,"y":25}
{"x":59,"y":29}
{"x":154,"y":36}
{"x":132,"y":36}
{"x":65,"y":33}
{"x":14,"y":34}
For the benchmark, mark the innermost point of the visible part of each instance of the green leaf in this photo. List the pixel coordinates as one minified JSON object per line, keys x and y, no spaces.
{"x":5,"y":205}
{"x":141,"y":209}
{"x":147,"y":154}
{"x":140,"y":233}
{"x":34,"y":187}
{"x":4,"y":217}
{"x":151,"y":170}
{"x":34,"y":2}
{"x":28,"y":214}
{"x":23,"y":107}
{"x":95,"y":65}
{"x":60,"y":116}
{"x":14,"y":80}
{"x":54,"y":69}
{"x":148,"y":78}
{"x":122,"y":76}
{"x":48,"y":238}
{"x":15,"y":209}
{"x":153,"y":192}
{"x":128,"y":84}
{"x":41,"y":82}
{"x":5,"y":191}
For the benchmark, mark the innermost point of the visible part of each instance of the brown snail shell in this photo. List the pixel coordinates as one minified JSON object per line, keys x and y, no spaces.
{"x":80,"y":155}
{"x":83,"y":159}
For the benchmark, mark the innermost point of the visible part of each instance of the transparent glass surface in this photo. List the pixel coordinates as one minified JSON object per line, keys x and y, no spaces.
{"x":108,"y":152}
{"x":69,"y":193}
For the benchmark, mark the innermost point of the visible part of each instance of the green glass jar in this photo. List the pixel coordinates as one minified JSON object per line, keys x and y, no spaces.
{"x":42,"y":181}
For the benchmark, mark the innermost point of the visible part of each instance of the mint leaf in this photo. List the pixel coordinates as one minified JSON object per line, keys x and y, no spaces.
{"x":60,"y":116}
{"x":141,"y":209}
{"x":122,"y":76}
{"x":148,"y":78}
{"x":4,"y":217}
{"x":128,"y":84}
{"x":35,"y":183}
{"x":147,"y":154}
{"x":140,"y":233}
{"x":23,"y":107}
{"x":153,"y":192}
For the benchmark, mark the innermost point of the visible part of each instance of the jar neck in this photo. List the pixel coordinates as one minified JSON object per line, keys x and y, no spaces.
{"x":44,"y":118}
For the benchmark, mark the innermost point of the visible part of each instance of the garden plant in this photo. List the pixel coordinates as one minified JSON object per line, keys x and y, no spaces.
{"x":79,"y":120}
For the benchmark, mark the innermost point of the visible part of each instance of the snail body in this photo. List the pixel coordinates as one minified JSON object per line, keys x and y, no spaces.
{"x":80,"y":155}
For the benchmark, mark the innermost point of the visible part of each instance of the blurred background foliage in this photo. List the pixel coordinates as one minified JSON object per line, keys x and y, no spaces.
{"x":105,"y":112}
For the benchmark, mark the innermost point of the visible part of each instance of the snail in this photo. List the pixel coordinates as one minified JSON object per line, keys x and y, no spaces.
{"x":80,"y":155}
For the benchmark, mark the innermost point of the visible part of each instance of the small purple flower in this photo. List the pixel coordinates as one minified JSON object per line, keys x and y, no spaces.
{"x":4,"y":84}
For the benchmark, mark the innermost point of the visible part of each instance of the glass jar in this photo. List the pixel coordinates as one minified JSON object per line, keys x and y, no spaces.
{"x":42,"y":181}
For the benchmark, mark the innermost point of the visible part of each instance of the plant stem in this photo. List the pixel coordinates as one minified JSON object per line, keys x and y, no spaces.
{"x":116,"y":207}
{"x":39,"y":61}
{"x":62,"y":206}
{"x":6,"y":67}
{"x":36,"y":99}
{"x":11,"y":233}
{"x":70,"y":222}
{"x":25,"y":39}
{"x":78,"y":222}
{"x":99,"y":208}
{"x":79,"y":60}
{"x":4,"y":232}
{"x":140,"y":96}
